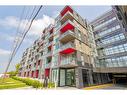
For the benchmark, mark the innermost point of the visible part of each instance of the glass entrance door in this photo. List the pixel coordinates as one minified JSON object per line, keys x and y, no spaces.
{"x":70,"y":77}
{"x":62,"y":77}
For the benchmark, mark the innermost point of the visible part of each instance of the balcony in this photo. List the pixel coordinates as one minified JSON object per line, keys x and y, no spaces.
{"x":49,"y":35}
{"x":67,"y":36}
{"x":48,"y":65}
{"x":65,"y":10}
{"x":68,"y":62}
{"x":49,"y":54}
{"x":38,"y":67}
{"x":68,"y":25}
{"x":67,"y":16}
{"x":67,"y":48}
{"x":50,"y":44}
{"x":33,"y":68}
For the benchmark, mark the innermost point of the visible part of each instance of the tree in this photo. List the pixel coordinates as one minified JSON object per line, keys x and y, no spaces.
{"x":14,"y":73}
{"x":17,"y":68}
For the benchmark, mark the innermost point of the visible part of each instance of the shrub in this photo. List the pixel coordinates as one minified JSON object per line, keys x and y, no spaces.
{"x":36,"y":84}
{"x":51,"y":85}
{"x":30,"y":82}
{"x":12,"y":73}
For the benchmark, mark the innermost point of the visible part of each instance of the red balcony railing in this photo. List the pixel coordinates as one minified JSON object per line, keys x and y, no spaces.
{"x":68,"y":25}
{"x":67,"y":48}
{"x":66,"y":9}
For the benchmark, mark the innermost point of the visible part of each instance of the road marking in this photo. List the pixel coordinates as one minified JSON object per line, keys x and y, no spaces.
{"x":98,"y":87}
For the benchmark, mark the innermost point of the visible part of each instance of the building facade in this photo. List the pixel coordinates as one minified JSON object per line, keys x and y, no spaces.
{"x":111,"y":43}
{"x":72,"y":53}
{"x":64,"y":53}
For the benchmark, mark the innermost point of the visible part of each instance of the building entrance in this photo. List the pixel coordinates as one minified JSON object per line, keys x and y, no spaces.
{"x":67,"y":77}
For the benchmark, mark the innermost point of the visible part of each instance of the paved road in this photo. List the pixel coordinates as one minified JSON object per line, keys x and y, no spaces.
{"x":115,"y":87}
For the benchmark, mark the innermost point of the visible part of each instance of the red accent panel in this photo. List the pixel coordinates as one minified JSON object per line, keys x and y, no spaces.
{"x":67,"y":8}
{"x":37,"y":72}
{"x":68,"y":26}
{"x":50,"y":47}
{"x":47,"y":71}
{"x":32,"y":74}
{"x":67,"y":51}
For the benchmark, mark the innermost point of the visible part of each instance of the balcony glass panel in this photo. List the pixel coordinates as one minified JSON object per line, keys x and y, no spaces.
{"x":67,"y":48}
{"x":67,"y":59}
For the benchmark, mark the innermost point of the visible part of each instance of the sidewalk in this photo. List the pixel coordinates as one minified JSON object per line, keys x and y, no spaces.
{"x":58,"y":88}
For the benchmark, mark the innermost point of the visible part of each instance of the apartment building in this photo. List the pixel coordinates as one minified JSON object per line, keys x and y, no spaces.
{"x":111,"y":44}
{"x":64,"y":53}
{"x":121,"y":12}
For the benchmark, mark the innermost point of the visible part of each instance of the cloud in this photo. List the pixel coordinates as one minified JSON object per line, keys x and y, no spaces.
{"x":5,"y":35}
{"x":37,"y":26}
{"x":9,"y":21}
{"x":4,"y":52}
{"x":36,"y":29}
{"x":40,"y":24}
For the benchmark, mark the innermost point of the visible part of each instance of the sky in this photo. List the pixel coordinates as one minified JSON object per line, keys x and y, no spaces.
{"x":10,"y":17}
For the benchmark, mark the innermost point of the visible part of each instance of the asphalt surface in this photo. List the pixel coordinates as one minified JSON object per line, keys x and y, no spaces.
{"x":115,"y":87}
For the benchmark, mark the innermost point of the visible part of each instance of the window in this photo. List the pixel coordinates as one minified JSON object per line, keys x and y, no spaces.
{"x":104,"y":23}
{"x":56,"y":46}
{"x":56,"y":40}
{"x":79,"y":34}
{"x":109,"y":30}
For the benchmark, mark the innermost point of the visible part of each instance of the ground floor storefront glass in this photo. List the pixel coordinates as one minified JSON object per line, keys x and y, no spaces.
{"x":77,"y":77}
{"x":66,"y":77}
{"x":54,"y":76}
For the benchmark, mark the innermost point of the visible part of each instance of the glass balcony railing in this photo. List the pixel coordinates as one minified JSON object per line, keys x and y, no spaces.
{"x":50,"y":43}
{"x":68,"y":45}
{"x":68,"y":25}
{"x":68,"y":33}
{"x":68,"y":13}
{"x":49,"y":53}
{"x":69,"y":60}
{"x":47,"y":65}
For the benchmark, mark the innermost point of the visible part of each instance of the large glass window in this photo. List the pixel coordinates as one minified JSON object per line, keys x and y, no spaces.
{"x":104,"y":23}
{"x":111,"y":39}
{"x":114,"y":62}
{"x":109,"y":30}
{"x":113,"y":50}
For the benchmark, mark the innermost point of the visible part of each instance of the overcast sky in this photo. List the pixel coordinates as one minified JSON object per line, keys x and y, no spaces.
{"x":10,"y":17}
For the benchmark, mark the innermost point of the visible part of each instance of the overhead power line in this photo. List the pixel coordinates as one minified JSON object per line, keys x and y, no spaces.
{"x":16,"y":39}
{"x":22,"y":32}
{"x":17,"y":47}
